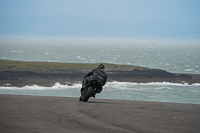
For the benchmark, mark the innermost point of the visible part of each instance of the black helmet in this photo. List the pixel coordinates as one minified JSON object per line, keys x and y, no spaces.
{"x":101,"y":66}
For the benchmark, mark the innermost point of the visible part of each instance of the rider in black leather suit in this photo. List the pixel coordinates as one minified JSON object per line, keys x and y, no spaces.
{"x":97,"y":74}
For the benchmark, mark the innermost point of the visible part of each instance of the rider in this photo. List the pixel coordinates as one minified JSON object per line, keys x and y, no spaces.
{"x":97,"y":74}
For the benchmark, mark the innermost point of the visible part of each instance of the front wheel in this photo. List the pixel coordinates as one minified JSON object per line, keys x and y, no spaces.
{"x":89,"y":93}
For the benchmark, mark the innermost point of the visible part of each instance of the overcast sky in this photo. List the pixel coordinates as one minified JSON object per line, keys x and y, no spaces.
{"x":183,"y":12}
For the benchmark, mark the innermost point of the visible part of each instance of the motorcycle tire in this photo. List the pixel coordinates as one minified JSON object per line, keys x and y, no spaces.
{"x":89,"y":93}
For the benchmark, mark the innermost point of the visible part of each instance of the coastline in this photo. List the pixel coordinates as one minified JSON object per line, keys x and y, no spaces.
{"x":21,"y":113}
{"x":12,"y":73}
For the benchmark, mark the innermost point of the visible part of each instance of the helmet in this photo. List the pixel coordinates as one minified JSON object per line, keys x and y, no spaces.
{"x":101,"y":66}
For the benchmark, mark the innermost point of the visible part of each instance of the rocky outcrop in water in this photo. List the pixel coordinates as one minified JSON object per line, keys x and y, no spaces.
{"x":46,"y":77}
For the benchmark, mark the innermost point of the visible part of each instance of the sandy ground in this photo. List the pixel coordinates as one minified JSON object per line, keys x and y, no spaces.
{"x":42,"y":114}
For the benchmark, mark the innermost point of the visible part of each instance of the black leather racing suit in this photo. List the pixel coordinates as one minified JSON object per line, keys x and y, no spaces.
{"x":95,"y":74}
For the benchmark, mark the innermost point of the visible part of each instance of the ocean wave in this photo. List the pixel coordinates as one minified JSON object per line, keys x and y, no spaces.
{"x":188,"y":70}
{"x":114,"y":84}
{"x":37,"y":87}
{"x":152,"y":83}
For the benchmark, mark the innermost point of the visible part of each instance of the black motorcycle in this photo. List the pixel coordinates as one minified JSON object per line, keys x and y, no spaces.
{"x":89,"y":91}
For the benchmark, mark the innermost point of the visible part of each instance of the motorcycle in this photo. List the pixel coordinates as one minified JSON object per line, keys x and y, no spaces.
{"x":89,"y":91}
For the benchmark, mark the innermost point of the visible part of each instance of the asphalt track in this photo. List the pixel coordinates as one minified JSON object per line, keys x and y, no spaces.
{"x":42,"y":114}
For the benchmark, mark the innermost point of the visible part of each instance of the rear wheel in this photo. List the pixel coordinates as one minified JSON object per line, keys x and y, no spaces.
{"x":89,"y":93}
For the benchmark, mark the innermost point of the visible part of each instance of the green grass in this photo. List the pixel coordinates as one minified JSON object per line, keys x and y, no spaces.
{"x":24,"y":65}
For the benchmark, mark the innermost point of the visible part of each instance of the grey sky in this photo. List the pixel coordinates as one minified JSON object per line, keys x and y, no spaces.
{"x":185,"y":13}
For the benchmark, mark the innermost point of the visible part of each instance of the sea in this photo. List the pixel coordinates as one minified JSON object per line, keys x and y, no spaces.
{"x":176,"y":56}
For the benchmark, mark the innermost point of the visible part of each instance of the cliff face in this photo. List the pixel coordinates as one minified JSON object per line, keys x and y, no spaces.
{"x":150,"y":75}
{"x":20,"y":73}
{"x":22,"y":78}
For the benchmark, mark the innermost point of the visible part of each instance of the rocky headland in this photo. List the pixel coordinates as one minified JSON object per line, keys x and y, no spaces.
{"x":19,"y":73}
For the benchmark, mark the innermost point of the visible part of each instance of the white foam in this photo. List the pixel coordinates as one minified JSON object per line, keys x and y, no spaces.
{"x":188,"y":70}
{"x":56,"y":86}
{"x":78,"y":57}
{"x":114,"y":85}
{"x":152,"y":83}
